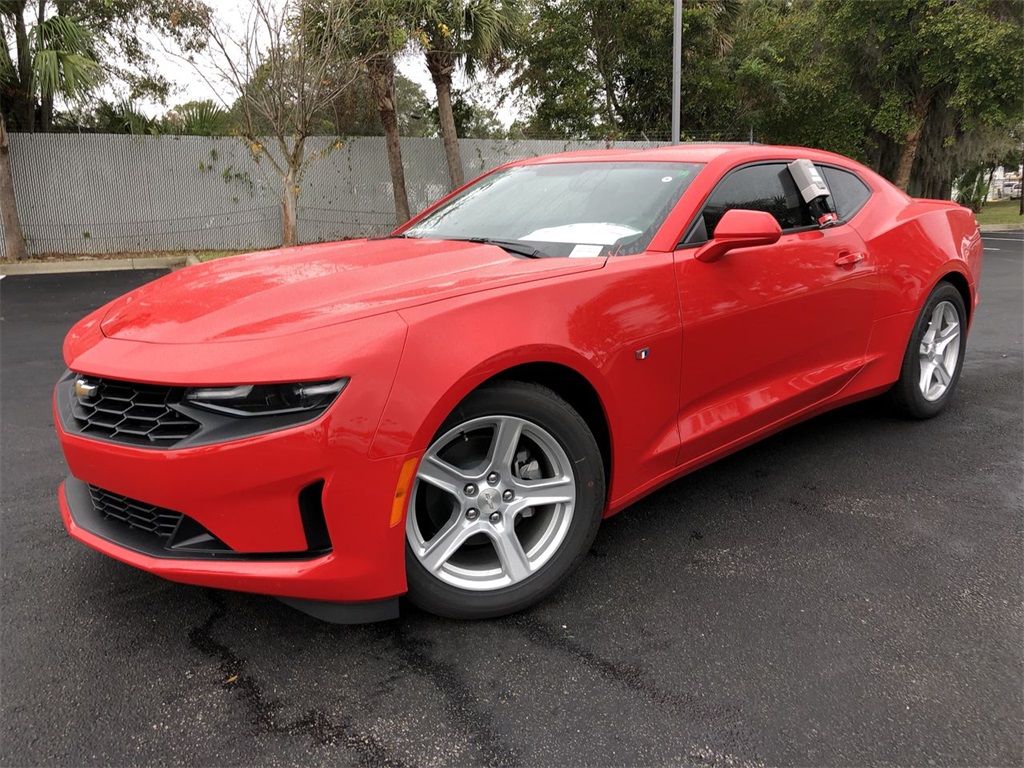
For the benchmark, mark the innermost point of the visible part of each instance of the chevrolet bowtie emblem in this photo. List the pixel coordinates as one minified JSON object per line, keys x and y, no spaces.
{"x":84,"y":389}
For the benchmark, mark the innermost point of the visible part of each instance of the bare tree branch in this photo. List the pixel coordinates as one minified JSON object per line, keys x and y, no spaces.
{"x":285,"y":66}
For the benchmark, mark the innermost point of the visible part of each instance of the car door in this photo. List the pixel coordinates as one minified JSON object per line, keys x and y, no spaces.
{"x":772,"y":330}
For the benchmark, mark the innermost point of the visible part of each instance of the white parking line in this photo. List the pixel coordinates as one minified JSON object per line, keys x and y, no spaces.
{"x":1004,"y":239}
{"x":992,"y":249}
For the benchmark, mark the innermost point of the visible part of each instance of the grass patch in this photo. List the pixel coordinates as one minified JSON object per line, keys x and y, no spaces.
{"x":1001,"y":212}
{"x":211,"y":255}
{"x":201,"y":255}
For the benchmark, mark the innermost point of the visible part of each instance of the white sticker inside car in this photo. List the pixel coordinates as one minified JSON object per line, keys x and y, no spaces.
{"x":586,"y":251}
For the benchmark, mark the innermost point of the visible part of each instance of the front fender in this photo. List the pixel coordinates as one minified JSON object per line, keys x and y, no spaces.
{"x":594,"y":323}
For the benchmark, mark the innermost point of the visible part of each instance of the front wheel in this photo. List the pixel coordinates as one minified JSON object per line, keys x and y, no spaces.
{"x":506,"y":502}
{"x":934,"y":357}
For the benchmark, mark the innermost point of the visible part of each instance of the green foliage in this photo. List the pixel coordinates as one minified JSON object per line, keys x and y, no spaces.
{"x":472,"y":34}
{"x":593,"y":69}
{"x":353,"y":112}
{"x":55,"y":51}
{"x":864,"y":78}
{"x":472,"y":120}
{"x":127,"y":29}
{"x":64,"y":58}
{"x":789,"y":87}
{"x":199,"y":118}
{"x":972,"y":188}
{"x":120,"y":117}
{"x":43,"y":57}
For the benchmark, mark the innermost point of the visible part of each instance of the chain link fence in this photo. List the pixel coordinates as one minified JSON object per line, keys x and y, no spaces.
{"x":93,"y":194}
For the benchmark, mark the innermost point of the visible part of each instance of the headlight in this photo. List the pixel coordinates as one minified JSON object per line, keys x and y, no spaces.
{"x":267,"y":399}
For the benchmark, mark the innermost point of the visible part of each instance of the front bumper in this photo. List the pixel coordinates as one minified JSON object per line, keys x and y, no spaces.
{"x":245,"y":493}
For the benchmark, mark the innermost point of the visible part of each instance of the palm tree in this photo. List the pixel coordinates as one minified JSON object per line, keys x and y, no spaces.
{"x":378,"y":30}
{"x":14,"y":238}
{"x":53,"y":57}
{"x":471,"y":33}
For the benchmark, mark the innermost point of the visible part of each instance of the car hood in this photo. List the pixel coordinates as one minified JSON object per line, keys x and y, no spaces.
{"x":292,"y":290}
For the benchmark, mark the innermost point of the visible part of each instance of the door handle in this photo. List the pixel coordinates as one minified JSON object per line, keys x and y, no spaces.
{"x":849,"y":259}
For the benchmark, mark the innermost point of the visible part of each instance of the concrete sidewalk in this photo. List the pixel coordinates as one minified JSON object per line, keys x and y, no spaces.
{"x":95,"y":265}
{"x":176,"y":262}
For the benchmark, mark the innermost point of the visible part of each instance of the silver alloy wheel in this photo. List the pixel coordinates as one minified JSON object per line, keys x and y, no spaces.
{"x":492,"y":503}
{"x":940,"y":351}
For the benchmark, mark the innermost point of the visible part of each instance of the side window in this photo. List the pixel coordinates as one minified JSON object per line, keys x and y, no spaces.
{"x":849,"y":193}
{"x":766,"y":187}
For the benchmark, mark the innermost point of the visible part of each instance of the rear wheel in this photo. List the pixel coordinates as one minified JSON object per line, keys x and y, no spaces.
{"x":934,"y":356}
{"x":506,"y":502}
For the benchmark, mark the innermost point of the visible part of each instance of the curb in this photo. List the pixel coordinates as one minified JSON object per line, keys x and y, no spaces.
{"x":1001,"y":228}
{"x":97,"y":265}
{"x":176,"y":262}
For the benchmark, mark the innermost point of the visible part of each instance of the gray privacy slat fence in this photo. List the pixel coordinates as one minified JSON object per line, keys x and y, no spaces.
{"x":88,"y":193}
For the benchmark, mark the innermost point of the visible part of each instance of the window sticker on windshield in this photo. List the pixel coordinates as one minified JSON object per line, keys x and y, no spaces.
{"x":585,"y":251}
{"x":666,"y":179}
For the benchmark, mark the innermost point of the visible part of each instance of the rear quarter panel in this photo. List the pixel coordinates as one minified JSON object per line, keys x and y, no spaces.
{"x":916,"y":244}
{"x":924,"y":242}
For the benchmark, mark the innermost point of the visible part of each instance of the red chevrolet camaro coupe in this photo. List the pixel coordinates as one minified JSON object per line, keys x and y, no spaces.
{"x":448,"y":413}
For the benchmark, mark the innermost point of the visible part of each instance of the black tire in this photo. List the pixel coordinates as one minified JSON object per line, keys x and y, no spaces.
{"x":538,"y":413}
{"x":907,"y":395}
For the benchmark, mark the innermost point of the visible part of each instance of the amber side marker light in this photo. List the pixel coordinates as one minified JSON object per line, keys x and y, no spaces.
{"x":405,"y":478}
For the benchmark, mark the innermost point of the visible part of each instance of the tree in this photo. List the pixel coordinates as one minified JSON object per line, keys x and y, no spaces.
{"x":790,"y":86}
{"x":88,"y":38}
{"x":285,"y":70}
{"x":53,"y":55}
{"x":14,"y":238}
{"x":119,"y":117}
{"x":198,"y":118}
{"x":923,"y":63}
{"x":921,"y":90}
{"x":354,"y":113}
{"x":471,"y":34}
{"x":379,"y":29}
{"x":589,"y":70}
{"x":473,"y":120}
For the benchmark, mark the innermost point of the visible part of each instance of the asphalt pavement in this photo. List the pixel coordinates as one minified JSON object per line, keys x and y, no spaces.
{"x":848,"y":592}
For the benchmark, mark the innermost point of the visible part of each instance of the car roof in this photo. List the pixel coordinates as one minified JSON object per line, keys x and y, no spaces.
{"x":690,"y":153}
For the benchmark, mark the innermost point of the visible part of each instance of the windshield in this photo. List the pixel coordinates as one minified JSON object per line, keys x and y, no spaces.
{"x":564,"y":209}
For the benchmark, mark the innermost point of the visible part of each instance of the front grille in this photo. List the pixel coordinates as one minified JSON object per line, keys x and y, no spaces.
{"x":135,"y":514}
{"x":137,"y":414}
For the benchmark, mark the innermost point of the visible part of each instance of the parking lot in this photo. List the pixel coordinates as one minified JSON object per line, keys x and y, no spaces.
{"x":848,"y":592}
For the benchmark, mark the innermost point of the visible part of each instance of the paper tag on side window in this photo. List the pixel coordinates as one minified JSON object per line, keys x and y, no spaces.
{"x":585,"y":251}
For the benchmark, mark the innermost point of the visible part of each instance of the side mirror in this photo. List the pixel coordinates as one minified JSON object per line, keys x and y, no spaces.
{"x":740,"y":228}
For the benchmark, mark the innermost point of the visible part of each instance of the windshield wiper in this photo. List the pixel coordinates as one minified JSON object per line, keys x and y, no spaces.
{"x":512,"y":246}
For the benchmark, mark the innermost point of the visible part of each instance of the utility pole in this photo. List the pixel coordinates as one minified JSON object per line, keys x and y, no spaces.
{"x":677,"y":64}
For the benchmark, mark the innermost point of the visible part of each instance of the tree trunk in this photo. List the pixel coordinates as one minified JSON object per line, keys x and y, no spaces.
{"x":14,"y":238}
{"x":382,"y":85}
{"x":988,"y":187}
{"x":46,"y":114}
{"x":289,"y":210}
{"x":908,"y":152}
{"x":22,"y":109}
{"x":440,"y":66}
